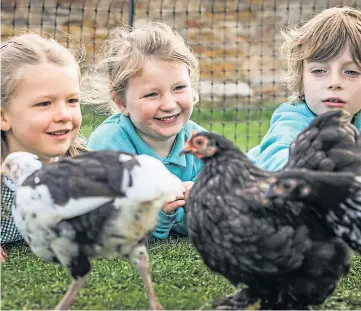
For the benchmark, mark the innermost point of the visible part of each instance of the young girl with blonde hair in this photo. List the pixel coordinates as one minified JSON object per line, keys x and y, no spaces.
{"x":40,"y":109}
{"x":148,"y":77}
{"x":323,"y":59}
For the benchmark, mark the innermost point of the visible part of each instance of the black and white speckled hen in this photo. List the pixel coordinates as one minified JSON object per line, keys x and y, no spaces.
{"x":287,"y":257}
{"x":333,"y":196}
{"x":99,"y":204}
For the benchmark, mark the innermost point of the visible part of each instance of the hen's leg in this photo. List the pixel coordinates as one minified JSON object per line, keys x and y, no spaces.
{"x":74,"y":258}
{"x":140,"y":259}
{"x":68,"y":299}
{"x":3,"y":255}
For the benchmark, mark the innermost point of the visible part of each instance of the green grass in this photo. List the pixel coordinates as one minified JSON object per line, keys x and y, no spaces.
{"x":180,"y":278}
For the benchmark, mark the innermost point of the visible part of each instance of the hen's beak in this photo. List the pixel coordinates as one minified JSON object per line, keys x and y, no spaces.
{"x":274,"y":191}
{"x":187,"y":148}
{"x":271,"y":192}
{"x":269,"y":195}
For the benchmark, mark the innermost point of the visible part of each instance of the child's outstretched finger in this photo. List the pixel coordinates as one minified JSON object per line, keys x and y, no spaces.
{"x":172,"y":206}
{"x":187,"y":187}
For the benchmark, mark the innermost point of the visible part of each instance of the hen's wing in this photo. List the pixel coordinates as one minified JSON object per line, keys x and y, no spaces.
{"x":324,"y":144}
{"x":336,"y":198}
{"x":243,"y":239}
{"x":279,"y":233}
{"x":72,"y":187}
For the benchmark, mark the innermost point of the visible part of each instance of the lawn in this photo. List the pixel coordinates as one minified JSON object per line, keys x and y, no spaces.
{"x":181,"y":280}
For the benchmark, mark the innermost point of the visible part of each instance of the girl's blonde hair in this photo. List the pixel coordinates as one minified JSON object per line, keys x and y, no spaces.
{"x":123,"y":55}
{"x":31,"y":49}
{"x":323,"y":37}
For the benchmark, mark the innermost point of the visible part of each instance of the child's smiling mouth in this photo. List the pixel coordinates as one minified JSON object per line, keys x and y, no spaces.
{"x":334,"y":102}
{"x":59,"y":132}
{"x":168,"y":119}
{"x":60,"y":135}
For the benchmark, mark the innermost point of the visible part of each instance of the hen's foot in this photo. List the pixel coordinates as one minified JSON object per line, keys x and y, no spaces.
{"x":241,"y":300}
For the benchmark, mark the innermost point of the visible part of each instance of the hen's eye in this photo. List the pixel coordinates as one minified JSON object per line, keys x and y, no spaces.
{"x":286,"y":185}
{"x":199,"y":142}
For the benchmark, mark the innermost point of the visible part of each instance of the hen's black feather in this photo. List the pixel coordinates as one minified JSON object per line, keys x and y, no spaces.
{"x":325,"y":144}
{"x":333,"y":196}
{"x":87,"y":175}
{"x":281,"y":249}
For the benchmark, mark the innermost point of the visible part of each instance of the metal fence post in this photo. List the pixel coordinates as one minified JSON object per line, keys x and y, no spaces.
{"x":130,"y":12}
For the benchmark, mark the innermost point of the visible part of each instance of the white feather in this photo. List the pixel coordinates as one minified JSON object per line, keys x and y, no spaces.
{"x":40,"y":202}
{"x":152,"y":180}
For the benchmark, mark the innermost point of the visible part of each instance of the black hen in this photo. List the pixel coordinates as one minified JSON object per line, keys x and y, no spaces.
{"x":325,"y":144}
{"x":288,"y":258}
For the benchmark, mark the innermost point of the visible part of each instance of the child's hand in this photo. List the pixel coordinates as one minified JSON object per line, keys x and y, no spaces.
{"x":170,"y":207}
{"x":3,"y":255}
{"x":187,"y":187}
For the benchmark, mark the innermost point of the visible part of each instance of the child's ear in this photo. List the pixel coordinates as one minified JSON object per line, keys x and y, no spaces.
{"x":120,"y":104}
{"x":195,"y":95}
{"x":5,"y":125}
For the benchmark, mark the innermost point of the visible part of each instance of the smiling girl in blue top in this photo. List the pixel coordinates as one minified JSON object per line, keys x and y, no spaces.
{"x":149,"y":77}
{"x":324,"y":72}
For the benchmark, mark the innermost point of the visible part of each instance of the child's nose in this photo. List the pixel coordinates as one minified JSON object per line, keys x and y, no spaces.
{"x":62,"y":113}
{"x":335,"y":81}
{"x":168,"y":102}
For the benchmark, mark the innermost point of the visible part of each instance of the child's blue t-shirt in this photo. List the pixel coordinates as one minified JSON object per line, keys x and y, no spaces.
{"x":118,"y":133}
{"x":287,"y":121}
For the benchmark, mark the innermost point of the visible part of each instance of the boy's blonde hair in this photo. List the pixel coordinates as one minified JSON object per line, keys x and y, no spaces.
{"x":123,"y":55}
{"x":30,"y":49}
{"x":321,"y":38}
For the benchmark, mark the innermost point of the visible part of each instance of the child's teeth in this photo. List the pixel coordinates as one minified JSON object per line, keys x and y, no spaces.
{"x":58,"y":133}
{"x":168,"y":118}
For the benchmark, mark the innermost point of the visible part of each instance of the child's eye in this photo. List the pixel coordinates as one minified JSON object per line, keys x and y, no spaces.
{"x":150,"y":95}
{"x":352,"y":72}
{"x":43,"y":104}
{"x":180,"y":87}
{"x":73,"y":100}
{"x":318,"y":71}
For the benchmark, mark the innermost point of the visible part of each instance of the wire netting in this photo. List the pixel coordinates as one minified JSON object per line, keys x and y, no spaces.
{"x":236,"y":42}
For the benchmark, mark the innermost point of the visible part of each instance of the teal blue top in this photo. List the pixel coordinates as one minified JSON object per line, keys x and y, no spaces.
{"x":287,"y":121}
{"x":118,"y":133}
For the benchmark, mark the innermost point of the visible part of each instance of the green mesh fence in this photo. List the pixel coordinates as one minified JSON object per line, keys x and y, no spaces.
{"x":236,"y":43}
